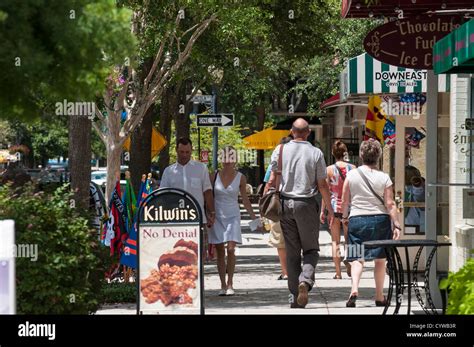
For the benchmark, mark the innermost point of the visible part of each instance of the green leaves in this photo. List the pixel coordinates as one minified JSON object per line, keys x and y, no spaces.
{"x":118,"y":293}
{"x":53,"y":50}
{"x":68,"y":253}
{"x":460,"y":286}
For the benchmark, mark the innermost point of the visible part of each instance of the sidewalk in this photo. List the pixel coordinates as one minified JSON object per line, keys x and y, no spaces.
{"x":257,"y":290}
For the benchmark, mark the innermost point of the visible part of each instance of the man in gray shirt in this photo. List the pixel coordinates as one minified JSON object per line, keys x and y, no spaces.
{"x":303,"y":173}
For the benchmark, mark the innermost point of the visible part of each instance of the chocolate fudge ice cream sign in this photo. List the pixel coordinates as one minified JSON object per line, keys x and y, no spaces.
{"x":170,"y":273}
{"x":409,"y":42}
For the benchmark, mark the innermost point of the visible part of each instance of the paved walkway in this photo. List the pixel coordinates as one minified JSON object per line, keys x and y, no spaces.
{"x":259,"y":292}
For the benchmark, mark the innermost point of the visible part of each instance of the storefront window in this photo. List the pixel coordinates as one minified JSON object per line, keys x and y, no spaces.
{"x":415,"y":173}
{"x":442,"y":205}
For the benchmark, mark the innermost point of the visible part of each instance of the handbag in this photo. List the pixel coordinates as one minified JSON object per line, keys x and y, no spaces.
{"x":270,"y":204}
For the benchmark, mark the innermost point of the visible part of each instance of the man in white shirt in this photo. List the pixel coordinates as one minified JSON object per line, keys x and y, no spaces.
{"x":192,"y":177}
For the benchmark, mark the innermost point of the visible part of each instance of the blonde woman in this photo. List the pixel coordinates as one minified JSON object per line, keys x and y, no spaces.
{"x":228,"y":182}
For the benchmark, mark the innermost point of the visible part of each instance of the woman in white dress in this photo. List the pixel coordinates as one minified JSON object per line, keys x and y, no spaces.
{"x":228,"y":182}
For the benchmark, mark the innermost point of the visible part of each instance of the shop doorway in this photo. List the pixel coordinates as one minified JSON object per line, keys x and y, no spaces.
{"x":410,"y":178}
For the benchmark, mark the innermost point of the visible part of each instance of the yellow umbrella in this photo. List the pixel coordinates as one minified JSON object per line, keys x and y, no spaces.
{"x":6,"y":157}
{"x":158,"y":142}
{"x":266,"y":139}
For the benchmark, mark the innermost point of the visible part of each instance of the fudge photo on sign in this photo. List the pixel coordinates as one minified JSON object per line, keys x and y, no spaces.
{"x":176,"y":273}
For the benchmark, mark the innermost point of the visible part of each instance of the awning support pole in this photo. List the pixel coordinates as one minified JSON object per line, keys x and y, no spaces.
{"x":431,"y":176}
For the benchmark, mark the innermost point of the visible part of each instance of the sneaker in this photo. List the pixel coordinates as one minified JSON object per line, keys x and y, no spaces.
{"x":222,"y":292}
{"x":230,"y":292}
{"x":302,"y":299}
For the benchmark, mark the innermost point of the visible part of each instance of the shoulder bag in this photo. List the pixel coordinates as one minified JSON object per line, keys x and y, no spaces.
{"x":270,"y":204}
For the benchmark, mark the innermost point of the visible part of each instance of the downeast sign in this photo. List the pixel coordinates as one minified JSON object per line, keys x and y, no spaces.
{"x":409,"y":42}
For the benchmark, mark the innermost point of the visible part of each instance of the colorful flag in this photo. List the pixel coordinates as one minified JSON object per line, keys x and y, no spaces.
{"x":130,"y":204}
{"x":116,"y":223}
{"x":142,"y":192}
{"x":375,"y":120}
{"x":129,"y":251}
{"x":414,"y":137}
{"x":379,"y":125}
{"x":389,"y":132}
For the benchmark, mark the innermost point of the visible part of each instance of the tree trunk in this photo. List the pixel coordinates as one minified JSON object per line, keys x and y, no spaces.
{"x":165,"y":129}
{"x":80,"y":159}
{"x":140,"y":149}
{"x":114,"y":153}
{"x":181,"y":111}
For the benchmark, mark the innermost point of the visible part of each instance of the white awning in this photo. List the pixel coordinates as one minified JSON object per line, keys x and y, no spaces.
{"x":366,"y":75}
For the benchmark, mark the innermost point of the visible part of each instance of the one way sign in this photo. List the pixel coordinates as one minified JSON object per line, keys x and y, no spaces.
{"x":215,"y":120}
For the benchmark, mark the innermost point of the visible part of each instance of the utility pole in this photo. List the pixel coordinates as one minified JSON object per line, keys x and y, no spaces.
{"x":196,"y":111}
{"x":215,"y":130}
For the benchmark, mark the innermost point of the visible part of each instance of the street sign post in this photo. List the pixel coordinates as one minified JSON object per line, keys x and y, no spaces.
{"x":215,"y":120}
{"x":201,"y":99}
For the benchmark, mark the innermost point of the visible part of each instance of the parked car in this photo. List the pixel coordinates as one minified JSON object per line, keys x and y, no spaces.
{"x":99,"y":177}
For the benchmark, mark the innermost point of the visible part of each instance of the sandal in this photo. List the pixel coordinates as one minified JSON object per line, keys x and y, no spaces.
{"x":282,"y":277}
{"x":337,"y":277}
{"x":352,"y":301}
{"x":381,"y":303}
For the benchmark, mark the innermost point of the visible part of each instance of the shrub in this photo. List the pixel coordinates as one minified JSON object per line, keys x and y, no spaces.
{"x":460,"y":286}
{"x":119,"y":293}
{"x":67,"y":275}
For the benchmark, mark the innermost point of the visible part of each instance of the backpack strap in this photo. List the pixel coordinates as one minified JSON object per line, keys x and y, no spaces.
{"x":279,"y":169}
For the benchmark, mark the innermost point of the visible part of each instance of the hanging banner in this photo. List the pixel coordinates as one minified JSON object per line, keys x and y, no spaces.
{"x":97,"y":205}
{"x":7,"y":267}
{"x":409,"y":42}
{"x":170,"y":270}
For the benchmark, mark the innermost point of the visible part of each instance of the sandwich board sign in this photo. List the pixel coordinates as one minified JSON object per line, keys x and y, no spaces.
{"x":170,"y":269}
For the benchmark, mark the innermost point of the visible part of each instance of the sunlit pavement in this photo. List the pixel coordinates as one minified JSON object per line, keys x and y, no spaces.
{"x":257,"y":290}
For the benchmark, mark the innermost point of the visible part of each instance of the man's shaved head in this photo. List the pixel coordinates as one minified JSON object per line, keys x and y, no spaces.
{"x":300,"y":128}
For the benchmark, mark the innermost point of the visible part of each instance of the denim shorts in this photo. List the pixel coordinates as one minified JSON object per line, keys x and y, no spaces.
{"x":367,"y":228}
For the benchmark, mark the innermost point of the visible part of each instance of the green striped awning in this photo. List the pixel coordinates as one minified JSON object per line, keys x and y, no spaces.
{"x":366,"y":75}
{"x":454,"y":53}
